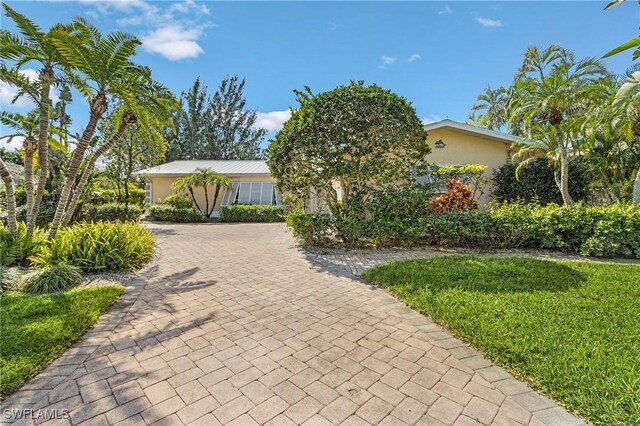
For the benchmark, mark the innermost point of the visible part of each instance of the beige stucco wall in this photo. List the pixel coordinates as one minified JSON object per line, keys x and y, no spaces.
{"x":463,"y":148}
{"x":161,"y":187}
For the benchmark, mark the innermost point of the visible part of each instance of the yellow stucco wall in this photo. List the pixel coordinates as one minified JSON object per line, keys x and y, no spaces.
{"x":161,"y":188}
{"x":463,"y":148}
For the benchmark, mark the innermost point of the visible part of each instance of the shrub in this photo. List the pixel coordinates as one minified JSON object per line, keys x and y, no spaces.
{"x":537,"y":183}
{"x":99,"y":246}
{"x":52,"y":278}
{"x":179,"y":201}
{"x":313,"y":229}
{"x":397,"y":215}
{"x":112,"y":212}
{"x":166,"y":213}
{"x":251,"y":213}
{"x":458,"y":198}
{"x":15,"y":249}
{"x":108,"y":196}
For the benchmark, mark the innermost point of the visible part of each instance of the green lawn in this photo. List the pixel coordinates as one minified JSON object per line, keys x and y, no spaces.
{"x":571,"y":329}
{"x":35,"y":330}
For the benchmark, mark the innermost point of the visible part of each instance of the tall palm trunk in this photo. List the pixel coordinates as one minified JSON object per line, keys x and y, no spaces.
{"x":99,"y":106}
{"x":215,"y":199}
{"x":30,"y":145}
{"x":11,"y":197}
{"x":636,"y":189}
{"x":564,"y":169}
{"x":128,"y":120}
{"x":46,"y":79}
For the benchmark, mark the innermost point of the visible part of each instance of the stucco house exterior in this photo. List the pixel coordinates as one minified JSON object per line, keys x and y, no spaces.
{"x":455,"y":143}
{"x":251,"y":181}
{"x":452,"y":143}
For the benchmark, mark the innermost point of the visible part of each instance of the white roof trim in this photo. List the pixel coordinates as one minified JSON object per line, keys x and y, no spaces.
{"x":475,"y":130}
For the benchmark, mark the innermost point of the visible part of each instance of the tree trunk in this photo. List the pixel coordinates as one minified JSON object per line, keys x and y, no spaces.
{"x":127,"y":121}
{"x":215,"y":199}
{"x":99,"y":106}
{"x":193,"y":197}
{"x":636,"y":189}
{"x":564,"y":170}
{"x":46,"y":78}
{"x":11,"y":198}
{"x":30,"y":145}
{"x":206,"y":200}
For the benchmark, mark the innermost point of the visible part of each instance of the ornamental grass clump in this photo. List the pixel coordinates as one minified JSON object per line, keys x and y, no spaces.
{"x":52,"y":278}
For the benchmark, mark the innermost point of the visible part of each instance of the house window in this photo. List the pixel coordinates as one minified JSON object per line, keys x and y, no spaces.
{"x":251,"y":193}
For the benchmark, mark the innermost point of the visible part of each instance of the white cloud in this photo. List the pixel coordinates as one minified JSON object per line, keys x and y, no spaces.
{"x":446,"y":11}
{"x":9,"y":92}
{"x":489,"y":23}
{"x":171,"y":29}
{"x":174,"y":42}
{"x":273,"y":120}
{"x":414,"y":57}
{"x":388,"y":60}
{"x":14,"y":145}
{"x":432,"y":118}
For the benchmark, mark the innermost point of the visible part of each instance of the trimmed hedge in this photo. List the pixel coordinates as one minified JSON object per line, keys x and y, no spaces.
{"x":109,"y":196}
{"x":166,"y":213}
{"x":112,"y":212}
{"x":179,"y":201}
{"x":610,"y":231}
{"x":252,"y":213}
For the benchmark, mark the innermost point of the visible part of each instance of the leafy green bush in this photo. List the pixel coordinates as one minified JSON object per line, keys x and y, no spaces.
{"x":99,"y":246}
{"x":537,"y":183}
{"x":113,"y":211}
{"x":45,"y":215}
{"x":108,"y":196}
{"x":312,"y":229}
{"x":251,"y":213}
{"x":15,"y":249}
{"x":590,"y":231}
{"x":51,"y":278}
{"x":166,"y":213}
{"x":179,"y":201}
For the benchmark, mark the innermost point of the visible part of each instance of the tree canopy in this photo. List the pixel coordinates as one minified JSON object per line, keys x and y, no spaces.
{"x":359,"y":137}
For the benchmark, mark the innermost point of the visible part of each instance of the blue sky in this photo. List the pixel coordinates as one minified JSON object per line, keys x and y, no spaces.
{"x":439,"y":55}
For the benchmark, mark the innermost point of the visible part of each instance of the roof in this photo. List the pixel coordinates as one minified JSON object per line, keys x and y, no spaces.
{"x":474,"y":130}
{"x":224,"y":167}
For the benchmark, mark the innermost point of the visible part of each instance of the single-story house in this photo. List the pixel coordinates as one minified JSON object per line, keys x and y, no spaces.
{"x":251,"y":181}
{"x":452,"y":143}
{"x":455,"y":143}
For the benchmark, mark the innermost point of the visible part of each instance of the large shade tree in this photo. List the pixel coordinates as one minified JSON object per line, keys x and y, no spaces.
{"x":363,"y":138}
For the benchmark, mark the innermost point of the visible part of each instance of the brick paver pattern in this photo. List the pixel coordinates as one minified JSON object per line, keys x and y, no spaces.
{"x":235,"y":324}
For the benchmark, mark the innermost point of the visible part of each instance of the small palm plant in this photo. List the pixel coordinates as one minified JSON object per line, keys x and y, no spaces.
{"x":203,"y":178}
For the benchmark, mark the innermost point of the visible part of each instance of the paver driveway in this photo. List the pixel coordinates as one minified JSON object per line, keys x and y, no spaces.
{"x":233,"y":324}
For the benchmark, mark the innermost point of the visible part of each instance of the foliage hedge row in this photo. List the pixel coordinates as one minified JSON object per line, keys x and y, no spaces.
{"x":536,"y":182}
{"x":167,"y":213}
{"x":589,"y":231}
{"x":251,"y":213}
{"x":109,"y":196}
{"x":112,"y":212}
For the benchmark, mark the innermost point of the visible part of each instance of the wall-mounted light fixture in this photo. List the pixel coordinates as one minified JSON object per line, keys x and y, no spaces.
{"x":439,"y":144}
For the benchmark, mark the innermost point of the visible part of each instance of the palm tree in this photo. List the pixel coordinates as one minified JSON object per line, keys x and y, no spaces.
{"x":105,"y":63}
{"x":203,"y":178}
{"x":494,"y":107}
{"x":553,"y":90}
{"x":11,"y":197}
{"x":34,"y":45}
{"x":152,"y":108}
